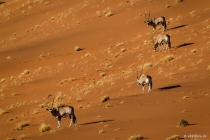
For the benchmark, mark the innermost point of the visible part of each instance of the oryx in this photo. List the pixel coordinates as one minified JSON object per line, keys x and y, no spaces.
{"x":62,"y":112}
{"x":160,"y":40}
{"x":155,"y":21}
{"x":144,"y":80}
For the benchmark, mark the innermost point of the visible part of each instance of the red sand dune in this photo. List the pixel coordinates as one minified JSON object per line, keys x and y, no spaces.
{"x":38,"y":58}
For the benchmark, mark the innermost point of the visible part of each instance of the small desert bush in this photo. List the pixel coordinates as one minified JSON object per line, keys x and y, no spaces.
{"x":101,"y":131}
{"x":3,"y":111}
{"x":44,"y":127}
{"x":105,"y":98}
{"x":108,"y":105}
{"x":183,"y":123}
{"x":77,"y":48}
{"x":193,"y":51}
{"x":21,"y":125}
{"x":174,"y":137}
{"x":135,"y":137}
{"x":22,"y":136}
{"x":3,"y":96}
{"x":147,"y":65}
{"x":167,"y":58}
{"x":25,"y":72}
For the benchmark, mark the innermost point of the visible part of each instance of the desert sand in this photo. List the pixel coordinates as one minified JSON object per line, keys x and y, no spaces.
{"x":38,"y":39}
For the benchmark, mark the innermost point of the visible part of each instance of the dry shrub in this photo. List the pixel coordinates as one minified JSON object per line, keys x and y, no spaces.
{"x":101,"y":131}
{"x":21,"y":125}
{"x":22,"y":136}
{"x":193,"y":51}
{"x":135,"y":137}
{"x":174,"y":137}
{"x":77,"y":48}
{"x":44,"y":127}
{"x":105,"y":98}
{"x":183,"y":123}
{"x":167,"y":58}
{"x":147,"y":65}
{"x":3,"y":111}
{"x":25,"y":72}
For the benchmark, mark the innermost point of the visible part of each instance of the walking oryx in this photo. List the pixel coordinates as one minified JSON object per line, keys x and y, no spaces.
{"x":160,"y":40}
{"x":155,"y":21}
{"x":62,"y":112}
{"x":144,"y":80}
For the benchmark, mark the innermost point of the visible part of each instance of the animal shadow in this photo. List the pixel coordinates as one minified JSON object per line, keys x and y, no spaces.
{"x":96,"y":122}
{"x":177,"y":27}
{"x":170,"y":87}
{"x":183,"y":45}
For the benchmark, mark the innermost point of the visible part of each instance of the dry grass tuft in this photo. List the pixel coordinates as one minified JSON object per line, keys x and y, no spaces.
{"x":21,"y":125}
{"x":174,"y":137}
{"x":105,"y":98}
{"x":3,"y":111}
{"x":108,"y":106}
{"x":25,"y":72}
{"x":167,"y":58}
{"x":22,"y":136}
{"x":183,"y":123}
{"x":77,"y":48}
{"x":101,"y":131}
{"x":193,"y":51}
{"x":147,"y":65}
{"x":135,"y":137}
{"x":44,"y":127}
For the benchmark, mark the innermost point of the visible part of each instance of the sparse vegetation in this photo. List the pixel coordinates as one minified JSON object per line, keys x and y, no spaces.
{"x":22,"y":136}
{"x":3,"y":111}
{"x":174,"y":137}
{"x":193,"y":51}
{"x":77,"y":48}
{"x":44,"y":127}
{"x":147,"y":65}
{"x":105,"y":98}
{"x":101,"y":130}
{"x":135,"y":137}
{"x":167,"y":58}
{"x":21,"y":125}
{"x":25,"y":72}
{"x":183,"y":123}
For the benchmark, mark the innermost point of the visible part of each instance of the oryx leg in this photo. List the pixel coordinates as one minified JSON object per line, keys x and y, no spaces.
{"x":71,"y":119}
{"x":143,"y":88}
{"x":59,"y":122}
{"x":149,"y":87}
{"x":154,"y":29}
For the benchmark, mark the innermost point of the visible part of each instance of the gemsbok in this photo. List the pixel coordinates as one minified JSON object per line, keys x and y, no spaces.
{"x":144,"y":80}
{"x":160,"y":40}
{"x":63,"y":112}
{"x":155,"y":21}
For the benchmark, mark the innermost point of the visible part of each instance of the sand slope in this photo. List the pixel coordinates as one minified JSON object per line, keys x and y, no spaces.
{"x":38,"y":58}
